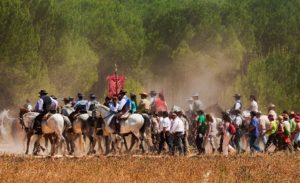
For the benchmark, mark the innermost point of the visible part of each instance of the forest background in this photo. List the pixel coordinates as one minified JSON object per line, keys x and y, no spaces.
{"x":214,"y":47}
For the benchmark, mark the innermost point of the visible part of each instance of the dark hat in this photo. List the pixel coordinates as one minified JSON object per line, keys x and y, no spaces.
{"x":93,"y":96}
{"x":237,"y":95}
{"x":79,"y":95}
{"x":123,"y":92}
{"x":153,"y":92}
{"x":43,"y":92}
{"x":65,"y":99}
{"x":54,"y":97}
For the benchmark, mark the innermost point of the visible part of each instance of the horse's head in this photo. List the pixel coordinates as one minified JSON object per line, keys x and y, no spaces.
{"x":102,"y":111}
{"x":28,"y":119}
{"x":21,"y":113}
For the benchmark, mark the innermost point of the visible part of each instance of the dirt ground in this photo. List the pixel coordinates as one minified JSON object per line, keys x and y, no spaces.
{"x":278,"y":167}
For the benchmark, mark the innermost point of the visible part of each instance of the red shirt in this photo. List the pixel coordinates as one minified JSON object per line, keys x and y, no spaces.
{"x":160,"y":105}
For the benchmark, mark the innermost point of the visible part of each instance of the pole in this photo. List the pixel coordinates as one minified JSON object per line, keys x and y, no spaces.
{"x":116,"y":79}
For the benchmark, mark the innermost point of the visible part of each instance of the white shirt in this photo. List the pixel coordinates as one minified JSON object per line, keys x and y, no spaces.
{"x":237,"y":105}
{"x":28,"y":106}
{"x":113,"y":108}
{"x":177,"y":126}
{"x":186,"y":123}
{"x":122,"y":102}
{"x":39,"y":105}
{"x":253,"y":106}
{"x":54,"y":104}
{"x":164,"y":123}
{"x":238,"y":121}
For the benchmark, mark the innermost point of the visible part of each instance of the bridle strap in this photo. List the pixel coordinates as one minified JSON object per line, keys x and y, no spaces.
{"x":108,"y":115}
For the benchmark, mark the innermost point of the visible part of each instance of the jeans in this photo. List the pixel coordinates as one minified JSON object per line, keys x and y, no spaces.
{"x":253,"y":145}
{"x":237,"y":140}
{"x":199,"y":142}
{"x":177,"y":142}
{"x":164,"y":138}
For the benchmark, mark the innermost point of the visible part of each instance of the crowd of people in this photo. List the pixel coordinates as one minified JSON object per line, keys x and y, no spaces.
{"x":174,"y":129}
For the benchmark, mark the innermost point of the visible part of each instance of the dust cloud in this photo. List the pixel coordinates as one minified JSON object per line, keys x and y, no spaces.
{"x":207,"y":75}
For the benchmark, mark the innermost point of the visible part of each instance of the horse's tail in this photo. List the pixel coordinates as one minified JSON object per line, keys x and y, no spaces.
{"x":67,"y":122}
{"x":146,"y":124}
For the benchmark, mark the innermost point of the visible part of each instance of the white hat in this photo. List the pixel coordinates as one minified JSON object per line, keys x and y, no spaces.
{"x":176,"y":109}
{"x":195,"y":95}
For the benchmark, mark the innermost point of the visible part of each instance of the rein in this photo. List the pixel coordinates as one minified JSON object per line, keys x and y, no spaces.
{"x":108,"y":115}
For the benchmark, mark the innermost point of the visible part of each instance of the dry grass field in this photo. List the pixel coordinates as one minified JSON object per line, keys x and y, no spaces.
{"x":246,"y":168}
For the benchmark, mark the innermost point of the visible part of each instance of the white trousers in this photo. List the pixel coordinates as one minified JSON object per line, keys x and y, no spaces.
{"x":226,"y":146}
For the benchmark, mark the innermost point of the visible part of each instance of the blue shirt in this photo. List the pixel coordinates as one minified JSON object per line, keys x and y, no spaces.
{"x":133,"y":106}
{"x":254,"y":123}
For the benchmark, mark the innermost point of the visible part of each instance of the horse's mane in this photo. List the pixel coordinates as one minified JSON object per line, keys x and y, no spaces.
{"x":103,"y":106}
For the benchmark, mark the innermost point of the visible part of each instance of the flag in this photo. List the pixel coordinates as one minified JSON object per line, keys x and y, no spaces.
{"x":115,"y":84}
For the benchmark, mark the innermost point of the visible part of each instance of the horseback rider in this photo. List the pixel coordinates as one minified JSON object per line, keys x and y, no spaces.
{"x":44,"y":105}
{"x":124,"y":105}
{"x":28,"y":105}
{"x":237,"y":103}
{"x":197,"y":104}
{"x":145,"y":104}
{"x":92,"y":103}
{"x":80,"y":106}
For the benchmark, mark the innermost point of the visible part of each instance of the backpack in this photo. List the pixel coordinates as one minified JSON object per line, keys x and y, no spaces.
{"x":232,"y":129}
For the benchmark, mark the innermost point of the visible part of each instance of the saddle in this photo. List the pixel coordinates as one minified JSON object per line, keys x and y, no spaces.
{"x":124,"y":116}
{"x":47,"y":116}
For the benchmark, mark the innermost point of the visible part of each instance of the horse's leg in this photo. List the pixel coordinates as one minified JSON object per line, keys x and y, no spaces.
{"x":99,"y":140}
{"x":62,"y":141}
{"x":125,"y":142}
{"x":36,"y":146}
{"x":29,"y":135}
{"x":107,"y":149}
{"x":133,"y":139}
{"x":92,"y":144}
{"x":52,"y":146}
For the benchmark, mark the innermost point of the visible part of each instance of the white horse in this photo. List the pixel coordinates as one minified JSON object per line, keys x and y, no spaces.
{"x":54,"y":125}
{"x":83,"y":127}
{"x":135,"y":125}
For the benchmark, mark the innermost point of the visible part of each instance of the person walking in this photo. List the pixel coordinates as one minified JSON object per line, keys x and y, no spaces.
{"x":164,"y":128}
{"x":254,"y":132}
{"x":177,"y":131}
{"x":237,"y":122}
{"x":200,"y":132}
{"x":271,"y":132}
{"x":211,"y":133}
{"x":227,"y":135}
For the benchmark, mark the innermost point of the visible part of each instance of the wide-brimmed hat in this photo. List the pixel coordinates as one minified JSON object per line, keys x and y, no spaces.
{"x":272,"y":106}
{"x":54,"y":97}
{"x":195,"y":95}
{"x":144,"y":94}
{"x":176,"y":109}
{"x":92,"y":96}
{"x":122,"y":92}
{"x":237,"y":95}
{"x":43,"y":92}
{"x":153,"y":92}
{"x":285,"y":116}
